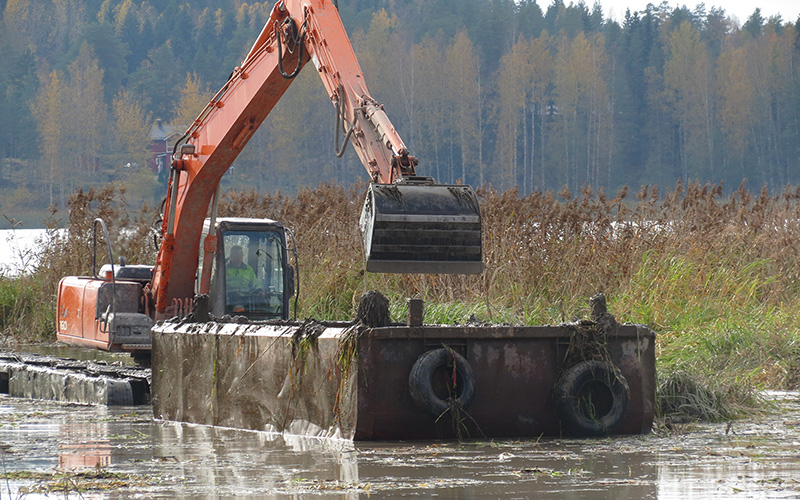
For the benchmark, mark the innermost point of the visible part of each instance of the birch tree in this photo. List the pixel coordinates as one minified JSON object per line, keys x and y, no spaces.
{"x":463,"y":90}
{"x":687,"y":77}
{"x":48,"y":111}
{"x":87,"y":114}
{"x":193,"y":98}
{"x":736,"y":94}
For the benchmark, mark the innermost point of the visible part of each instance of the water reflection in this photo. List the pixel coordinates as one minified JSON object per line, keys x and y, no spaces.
{"x":191,"y":461}
{"x":224,"y":462}
{"x":83,"y":446}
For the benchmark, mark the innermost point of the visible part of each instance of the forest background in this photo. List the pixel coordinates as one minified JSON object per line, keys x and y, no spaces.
{"x":498,"y":92}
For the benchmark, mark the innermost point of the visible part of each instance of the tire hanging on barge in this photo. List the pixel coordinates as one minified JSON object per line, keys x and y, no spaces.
{"x":421,"y":387}
{"x":592,"y":398}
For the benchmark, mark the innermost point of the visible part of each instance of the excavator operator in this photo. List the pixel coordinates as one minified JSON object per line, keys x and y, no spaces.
{"x":241,"y":281}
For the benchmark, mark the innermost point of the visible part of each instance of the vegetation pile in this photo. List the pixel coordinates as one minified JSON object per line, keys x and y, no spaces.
{"x":64,"y":482}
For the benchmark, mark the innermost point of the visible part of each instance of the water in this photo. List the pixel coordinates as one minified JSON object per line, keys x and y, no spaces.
{"x":755,"y":458}
{"x":123,"y":453}
{"x":19,"y":250}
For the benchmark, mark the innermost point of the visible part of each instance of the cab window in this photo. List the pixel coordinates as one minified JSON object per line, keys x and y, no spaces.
{"x":253,"y":273}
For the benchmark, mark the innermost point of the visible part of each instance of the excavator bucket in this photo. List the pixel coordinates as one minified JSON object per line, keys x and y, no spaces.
{"x":421,"y":227}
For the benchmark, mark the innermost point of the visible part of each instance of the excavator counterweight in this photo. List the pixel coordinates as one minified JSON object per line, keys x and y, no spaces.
{"x":416,"y":226}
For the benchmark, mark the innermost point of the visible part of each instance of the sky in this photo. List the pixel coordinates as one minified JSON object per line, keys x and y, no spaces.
{"x":741,"y":9}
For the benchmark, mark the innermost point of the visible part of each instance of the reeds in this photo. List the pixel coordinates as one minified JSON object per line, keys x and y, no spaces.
{"x":716,"y":276}
{"x":545,"y":253}
{"x":697,"y":266}
{"x":28,"y":302}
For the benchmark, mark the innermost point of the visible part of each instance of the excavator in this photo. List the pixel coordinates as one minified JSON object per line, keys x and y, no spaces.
{"x":409,"y":222}
{"x":203,"y":309}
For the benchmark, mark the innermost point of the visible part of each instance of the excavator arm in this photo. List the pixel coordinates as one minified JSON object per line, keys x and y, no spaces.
{"x":318,"y":35}
{"x":410,"y":224}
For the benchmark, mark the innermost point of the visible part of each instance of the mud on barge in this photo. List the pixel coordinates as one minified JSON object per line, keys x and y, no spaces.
{"x":411,"y":381}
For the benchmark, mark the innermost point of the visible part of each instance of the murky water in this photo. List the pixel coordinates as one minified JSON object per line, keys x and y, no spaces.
{"x":756,"y":458}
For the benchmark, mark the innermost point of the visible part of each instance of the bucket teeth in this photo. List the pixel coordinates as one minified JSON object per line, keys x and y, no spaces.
{"x":422,"y":228}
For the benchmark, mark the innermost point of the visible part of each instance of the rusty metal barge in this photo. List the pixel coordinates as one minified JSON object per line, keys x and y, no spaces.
{"x":409,"y":381}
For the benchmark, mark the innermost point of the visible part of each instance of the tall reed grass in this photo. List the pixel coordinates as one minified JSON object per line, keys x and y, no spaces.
{"x":716,"y":276}
{"x":28,"y":301}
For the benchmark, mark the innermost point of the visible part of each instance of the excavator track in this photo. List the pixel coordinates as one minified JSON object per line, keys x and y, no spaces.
{"x":53,"y":378}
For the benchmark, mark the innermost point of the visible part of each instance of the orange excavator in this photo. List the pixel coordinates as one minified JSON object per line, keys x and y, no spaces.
{"x":409,"y":223}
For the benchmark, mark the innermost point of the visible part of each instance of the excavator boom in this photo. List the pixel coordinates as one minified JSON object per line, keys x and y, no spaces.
{"x":410,"y":224}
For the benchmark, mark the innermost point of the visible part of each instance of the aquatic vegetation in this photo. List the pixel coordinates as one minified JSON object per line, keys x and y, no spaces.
{"x":85,"y":480}
{"x":716,"y":275}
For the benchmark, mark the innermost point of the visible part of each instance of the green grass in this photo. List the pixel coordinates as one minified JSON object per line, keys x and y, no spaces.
{"x":21,"y":312}
{"x":720,"y":323}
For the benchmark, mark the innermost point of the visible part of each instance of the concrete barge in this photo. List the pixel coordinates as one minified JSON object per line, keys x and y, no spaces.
{"x":409,"y":381}
{"x":34,"y":376}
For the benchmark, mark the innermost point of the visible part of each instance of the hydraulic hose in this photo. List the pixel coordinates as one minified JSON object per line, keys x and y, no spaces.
{"x":341,"y":123}
{"x":298,"y":41}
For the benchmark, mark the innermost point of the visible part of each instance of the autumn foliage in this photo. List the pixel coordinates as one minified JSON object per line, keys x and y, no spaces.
{"x":499,"y":93}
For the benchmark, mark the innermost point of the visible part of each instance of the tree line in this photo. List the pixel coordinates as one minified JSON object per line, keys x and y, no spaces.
{"x":500,"y":92}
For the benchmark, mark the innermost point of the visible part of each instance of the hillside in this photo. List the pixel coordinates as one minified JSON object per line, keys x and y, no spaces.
{"x":489,"y":91}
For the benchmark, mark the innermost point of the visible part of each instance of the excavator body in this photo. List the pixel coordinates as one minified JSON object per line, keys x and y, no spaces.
{"x":108,"y":310}
{"x":105,"y":313}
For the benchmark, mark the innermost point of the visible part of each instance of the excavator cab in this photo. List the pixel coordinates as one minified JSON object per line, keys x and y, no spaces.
{"x":417,"y":226}
{"x":251,"y":274}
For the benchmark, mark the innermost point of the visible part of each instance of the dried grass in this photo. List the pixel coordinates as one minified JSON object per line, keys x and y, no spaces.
{"x":29,"y":311}
{"x":545,"y":253}
{"x":692,"y":263}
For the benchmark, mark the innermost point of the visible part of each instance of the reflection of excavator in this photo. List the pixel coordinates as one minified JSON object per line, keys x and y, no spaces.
{"x":409,"y":223}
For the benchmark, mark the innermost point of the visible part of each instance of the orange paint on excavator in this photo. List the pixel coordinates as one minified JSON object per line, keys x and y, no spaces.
{"x":410,"y":224}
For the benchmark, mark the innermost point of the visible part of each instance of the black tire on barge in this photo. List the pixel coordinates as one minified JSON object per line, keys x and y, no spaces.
{"x":421,"y":384}
{"x":592,"y":398}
